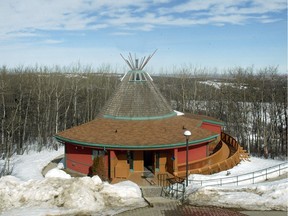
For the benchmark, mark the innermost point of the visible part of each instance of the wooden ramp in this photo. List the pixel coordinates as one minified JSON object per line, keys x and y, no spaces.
{"x":229,"y":154}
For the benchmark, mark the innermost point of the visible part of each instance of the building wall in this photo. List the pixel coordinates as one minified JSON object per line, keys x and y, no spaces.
{"x":194,"y":153}
{"x":212,"y":127}
{"x":113,"y":162}
{"x":138,"y":161}
{"x":163,"y":161}
{"x":121,"y":169}
{"x":80,"y":159}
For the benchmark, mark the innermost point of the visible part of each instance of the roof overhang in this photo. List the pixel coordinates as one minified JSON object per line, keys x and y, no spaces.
{"x":137,"y":147}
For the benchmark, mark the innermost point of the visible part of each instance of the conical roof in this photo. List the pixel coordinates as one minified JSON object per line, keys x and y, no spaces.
{"x":137,"y":98}
{"x":137,"y":116}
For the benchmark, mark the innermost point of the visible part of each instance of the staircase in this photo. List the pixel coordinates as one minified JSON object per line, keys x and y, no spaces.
{"x":244,"y":155}
{"x":152,"y":195}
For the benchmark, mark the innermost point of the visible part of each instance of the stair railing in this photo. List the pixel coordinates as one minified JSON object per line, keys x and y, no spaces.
{"x":174,"y":188}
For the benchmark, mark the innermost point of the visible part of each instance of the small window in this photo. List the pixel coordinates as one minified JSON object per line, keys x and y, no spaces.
{"x":97,"y":153}
{"x":157,"y":160}
{"x":138,"y":77}
{"x":130,"y":160}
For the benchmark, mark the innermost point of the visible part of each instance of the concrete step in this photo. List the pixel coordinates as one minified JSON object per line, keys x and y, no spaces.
{"x":161,"y":201}
{"x":151,"y":191}
{"x":152,"y":195}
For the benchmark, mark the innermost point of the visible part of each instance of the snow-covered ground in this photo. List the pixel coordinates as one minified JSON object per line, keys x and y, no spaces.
{"x":265,"y":195}
{"x":29,"y":166}
{"x":27,"y":192}
{"x":247,"y":172}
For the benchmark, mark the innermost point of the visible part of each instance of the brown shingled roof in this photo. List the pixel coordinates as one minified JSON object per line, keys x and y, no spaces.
{"x":137,"y":116}
{"x":160,"y":133}
{"x":203,"y":118}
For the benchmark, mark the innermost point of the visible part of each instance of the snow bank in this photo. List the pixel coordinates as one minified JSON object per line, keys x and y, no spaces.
{"x":57,"y":173}
{"x":264,"y":196}
{"x":261,"y":196}
{"x":29,"y":166}
{"x":26,"y":192}
{"x":69,"y":196}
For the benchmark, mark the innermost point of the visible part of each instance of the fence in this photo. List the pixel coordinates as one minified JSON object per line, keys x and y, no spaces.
{"x":248,"y":178}
{"x":172,"y":187}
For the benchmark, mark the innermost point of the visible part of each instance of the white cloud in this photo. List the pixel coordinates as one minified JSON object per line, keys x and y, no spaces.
{"x":35,"y":20}
{"x":17,"y":34}
{"x":210,"y":11}
{"x":21,"y":16}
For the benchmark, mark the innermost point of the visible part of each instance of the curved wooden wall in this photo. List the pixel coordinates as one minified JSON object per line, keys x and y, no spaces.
{"x":220,"y":161}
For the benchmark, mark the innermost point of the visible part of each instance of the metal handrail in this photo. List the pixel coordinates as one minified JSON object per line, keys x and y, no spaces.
{"x":174,"y":188}
{"x":247,"y":178}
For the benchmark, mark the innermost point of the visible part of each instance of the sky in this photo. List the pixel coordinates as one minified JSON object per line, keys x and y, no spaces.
{"x":218,"y":34}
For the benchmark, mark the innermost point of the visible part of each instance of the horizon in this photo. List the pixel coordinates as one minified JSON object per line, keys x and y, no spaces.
{"x":216,"y":35}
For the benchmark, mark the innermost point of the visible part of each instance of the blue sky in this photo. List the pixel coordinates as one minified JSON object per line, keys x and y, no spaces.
{"x":218,"y":34}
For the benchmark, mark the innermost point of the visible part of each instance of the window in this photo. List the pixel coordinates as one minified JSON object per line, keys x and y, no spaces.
{"x":157,"y":155}
{"x":97,"y":153}
{"x":130,"y":160}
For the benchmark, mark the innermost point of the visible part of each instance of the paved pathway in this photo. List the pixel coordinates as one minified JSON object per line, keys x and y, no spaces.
{"x":265,"y":213}
{"x":159,"y":205}
{"x":170,"y":207}
{"x":180,"y":210}
{"x":185,"y":210}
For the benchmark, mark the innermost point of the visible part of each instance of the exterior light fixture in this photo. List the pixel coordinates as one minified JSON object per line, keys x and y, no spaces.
{"x":187,"y":134}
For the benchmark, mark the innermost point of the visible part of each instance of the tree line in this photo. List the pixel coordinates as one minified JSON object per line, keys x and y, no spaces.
{"x":37,"y":102}
{"x":252,"y":104}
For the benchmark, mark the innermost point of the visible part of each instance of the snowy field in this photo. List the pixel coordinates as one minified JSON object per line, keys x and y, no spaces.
{"x":27,"y":192}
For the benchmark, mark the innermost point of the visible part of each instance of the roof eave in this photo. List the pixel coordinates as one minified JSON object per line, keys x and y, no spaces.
{"x":134,"y":147}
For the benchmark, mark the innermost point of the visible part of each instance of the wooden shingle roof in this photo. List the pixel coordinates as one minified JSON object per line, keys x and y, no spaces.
{"x":144,"y":134}
{"x":137,"y":116}
{"x":137,"y":98}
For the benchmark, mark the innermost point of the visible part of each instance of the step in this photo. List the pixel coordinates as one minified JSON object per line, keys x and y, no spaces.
{"x":158,"y":201}
{"x":151,"y":191}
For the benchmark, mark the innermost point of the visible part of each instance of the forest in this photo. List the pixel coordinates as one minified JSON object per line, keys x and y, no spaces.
{"x":37,"y":102}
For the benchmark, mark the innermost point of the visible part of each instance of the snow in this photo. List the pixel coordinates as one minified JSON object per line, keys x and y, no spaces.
{"x":57,"y":173}
{"x":217,"y":84}
{"x":247,"y":172}
{"x":27,"y":192}
{"x":29,"y":166}
{"x":72,"y":196}
{"x":265,"y":196}
{"x":261,"y":196}
{"x":178,"y":113}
